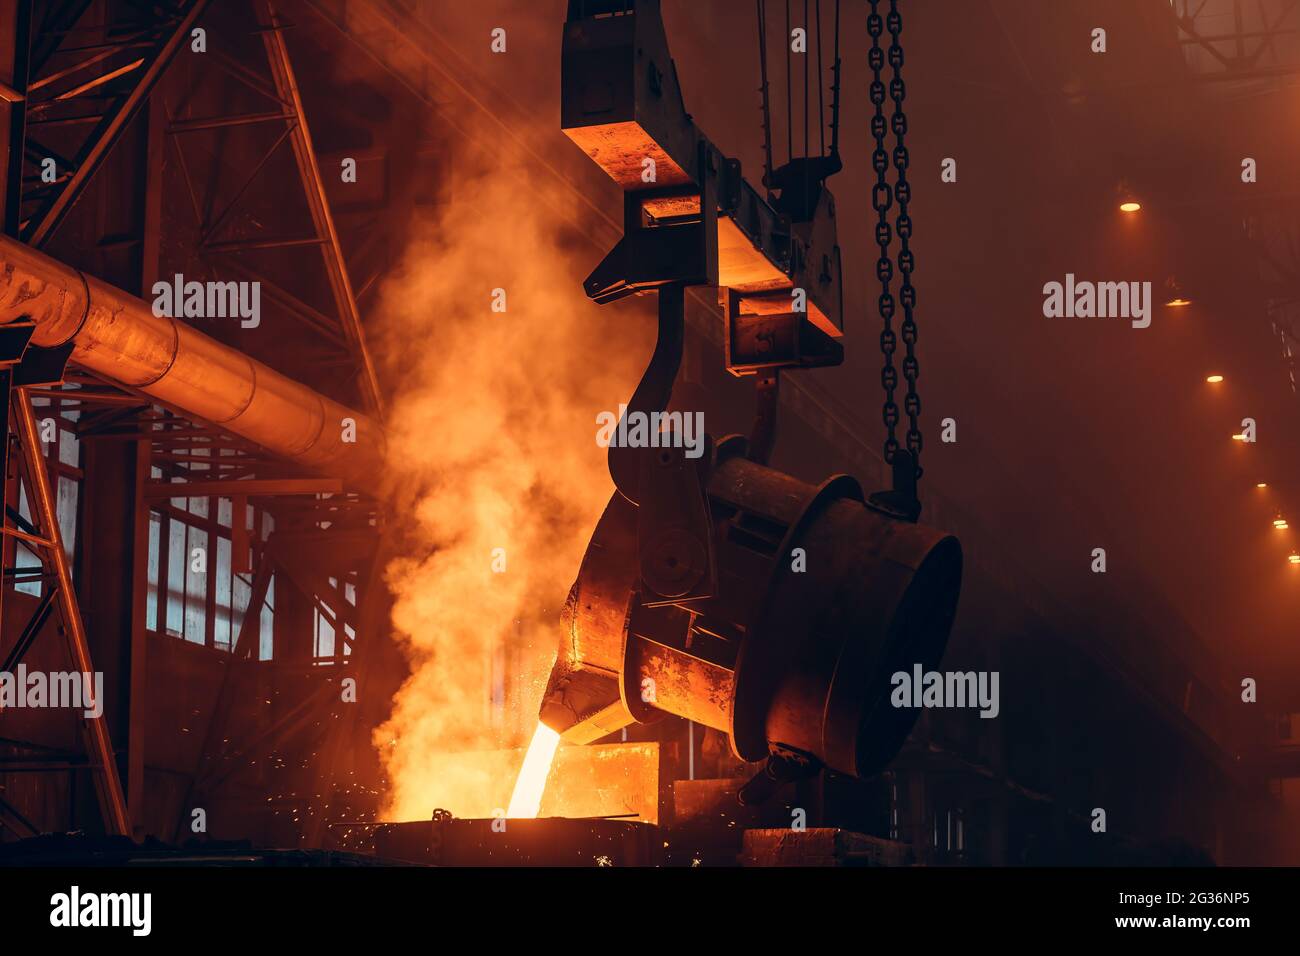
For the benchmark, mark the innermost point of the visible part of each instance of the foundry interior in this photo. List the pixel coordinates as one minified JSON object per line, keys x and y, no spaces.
{"x":310,"y":311}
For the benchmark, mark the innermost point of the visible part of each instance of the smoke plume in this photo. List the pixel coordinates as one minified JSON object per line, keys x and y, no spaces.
{"x":491,"y":431}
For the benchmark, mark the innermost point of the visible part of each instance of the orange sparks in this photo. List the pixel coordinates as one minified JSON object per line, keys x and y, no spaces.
{"x":531,"y":782}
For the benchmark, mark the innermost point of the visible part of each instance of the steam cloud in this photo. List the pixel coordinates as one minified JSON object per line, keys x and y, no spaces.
{"x":491,"y":445}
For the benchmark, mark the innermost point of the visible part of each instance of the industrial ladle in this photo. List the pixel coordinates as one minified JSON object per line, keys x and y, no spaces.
{"x":722,"y":590}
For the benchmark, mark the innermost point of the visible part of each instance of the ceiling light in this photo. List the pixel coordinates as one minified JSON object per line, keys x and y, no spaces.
{"x":1214,"y":379}
{"x":1174,"y":294}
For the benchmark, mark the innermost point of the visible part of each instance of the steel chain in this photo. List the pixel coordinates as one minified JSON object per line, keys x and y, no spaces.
{"x":882,"y":199}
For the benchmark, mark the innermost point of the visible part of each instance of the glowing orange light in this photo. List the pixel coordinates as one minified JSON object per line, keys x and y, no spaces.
{"x":1280,"y":524}
{"x":1240,"y":436}
{"x":1178,"y":303}
{"x":1262,"y":484}
{"x":1214,"y":379}
{"x":531,"y":782}
{"x":1294,"y":559}
{"x":1130,"y":206}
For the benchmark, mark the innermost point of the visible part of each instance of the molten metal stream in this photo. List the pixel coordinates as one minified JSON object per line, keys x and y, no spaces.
{"x":531,"y":782}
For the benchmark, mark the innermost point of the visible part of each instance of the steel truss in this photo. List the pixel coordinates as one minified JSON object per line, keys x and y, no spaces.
{"x":75,"y":89}
{"x":227,"y":225}
{"x":1240,"y":39}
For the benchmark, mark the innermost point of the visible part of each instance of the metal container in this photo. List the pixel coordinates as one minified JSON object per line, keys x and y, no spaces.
{"x":549,"y":841}
{"x":820,"y":598}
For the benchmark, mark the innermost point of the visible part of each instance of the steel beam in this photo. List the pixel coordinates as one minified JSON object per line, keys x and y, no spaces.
{"x":286,"y":85}
{"x":245,"y":488}
{"x":137,"y":679}
{"x":1238,"y":58}
{"x":374,"y":603}
{"x":107,"y":783}
{"x":104,"y":138}
{"x":18,"y":16}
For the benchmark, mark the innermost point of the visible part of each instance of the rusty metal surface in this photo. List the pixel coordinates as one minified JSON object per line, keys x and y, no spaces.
{"x":622,"y":105}
{"x":553,"y":841}
{"x":784,"y":659}
{"x":682,"y":683}
{"x":583,"y":701}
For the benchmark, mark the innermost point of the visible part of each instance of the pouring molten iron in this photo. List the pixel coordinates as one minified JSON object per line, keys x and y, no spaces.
{"x":719,"y":589}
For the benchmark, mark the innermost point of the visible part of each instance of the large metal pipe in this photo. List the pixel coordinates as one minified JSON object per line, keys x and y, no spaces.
{"x":119,"y":337}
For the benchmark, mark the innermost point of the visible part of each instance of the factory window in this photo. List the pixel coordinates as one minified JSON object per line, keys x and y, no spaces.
{"x":55,"y":420}
{"x":26,"y":563}
{"x":194,"y":592}
{"x":331,"y":610}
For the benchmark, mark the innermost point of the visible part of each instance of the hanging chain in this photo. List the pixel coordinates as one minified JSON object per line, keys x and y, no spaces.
{"x":881,"y":201}
{"x":906,"y":261}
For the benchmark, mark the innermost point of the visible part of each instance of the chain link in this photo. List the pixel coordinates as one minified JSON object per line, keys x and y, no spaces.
{"x":883,"y":198}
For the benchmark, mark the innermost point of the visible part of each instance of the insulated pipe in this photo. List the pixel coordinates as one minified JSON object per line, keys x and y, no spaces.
{"x":117,"y":336}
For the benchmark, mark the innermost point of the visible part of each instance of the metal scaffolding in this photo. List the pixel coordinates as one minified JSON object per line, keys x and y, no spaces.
{"x":294,"y":577}
{"x":1239,"y":41}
